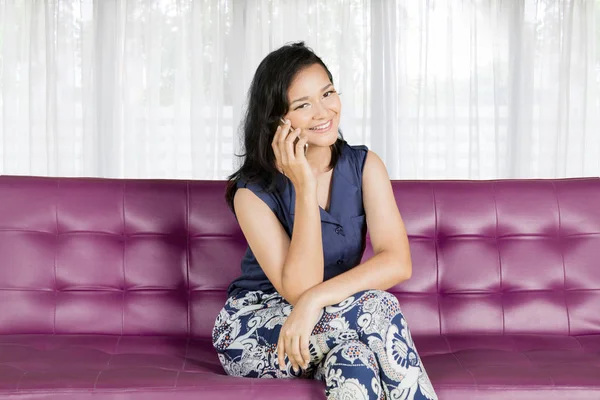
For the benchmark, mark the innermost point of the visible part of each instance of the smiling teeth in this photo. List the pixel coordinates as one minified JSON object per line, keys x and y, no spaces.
{"x":321,"y":127}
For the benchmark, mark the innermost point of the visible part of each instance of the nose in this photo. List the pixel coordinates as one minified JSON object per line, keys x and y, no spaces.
{"x":320,"y":111}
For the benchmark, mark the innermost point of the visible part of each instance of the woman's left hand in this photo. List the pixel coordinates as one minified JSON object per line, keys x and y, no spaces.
{"x":295,"y":334}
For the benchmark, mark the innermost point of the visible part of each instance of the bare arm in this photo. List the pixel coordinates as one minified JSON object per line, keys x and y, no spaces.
{"x":292,"y":266}
{"x":304,"y":264}
{"x":391,"y":262}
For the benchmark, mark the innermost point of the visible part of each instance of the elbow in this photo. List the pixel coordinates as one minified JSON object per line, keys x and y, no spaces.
{"x":292,"y":295}
{"x":292,"y":299}
{"x":289,"y":292}
{"x":402,"y":269}
{"x":406,"y":271}
{"x":292,"y":291}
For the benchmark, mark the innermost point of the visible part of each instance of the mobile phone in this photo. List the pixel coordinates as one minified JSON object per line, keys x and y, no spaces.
{"x":297,"y":139}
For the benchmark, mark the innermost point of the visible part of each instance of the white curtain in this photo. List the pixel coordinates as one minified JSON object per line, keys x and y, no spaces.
{"x":440,"y":89}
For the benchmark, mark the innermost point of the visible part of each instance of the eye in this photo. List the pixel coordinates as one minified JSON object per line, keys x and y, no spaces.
{"x":302,"y":106}
{"x":329,"y":93}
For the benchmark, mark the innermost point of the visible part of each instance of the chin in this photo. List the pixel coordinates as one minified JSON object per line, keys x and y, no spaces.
{"x":324,"y":141}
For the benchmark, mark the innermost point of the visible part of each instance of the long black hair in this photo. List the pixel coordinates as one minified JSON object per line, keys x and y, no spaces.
{"x":267,"y":104}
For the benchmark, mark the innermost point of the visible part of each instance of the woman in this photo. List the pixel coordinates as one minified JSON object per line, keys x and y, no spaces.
{"x":304,"y":305}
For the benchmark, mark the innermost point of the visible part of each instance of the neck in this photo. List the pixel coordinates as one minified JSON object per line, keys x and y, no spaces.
{"x":318,"y":158}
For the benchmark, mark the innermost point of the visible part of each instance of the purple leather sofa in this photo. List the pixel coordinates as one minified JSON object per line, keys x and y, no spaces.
{"x":109,"y":289}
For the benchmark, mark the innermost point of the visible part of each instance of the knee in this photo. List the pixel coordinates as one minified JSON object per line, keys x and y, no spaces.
{"x":368,"y":310}
{"x":384,"y":296}
{"x":379,"y":301}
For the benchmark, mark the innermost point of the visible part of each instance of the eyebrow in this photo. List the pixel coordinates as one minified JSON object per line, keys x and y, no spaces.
{"x":307,"y":97}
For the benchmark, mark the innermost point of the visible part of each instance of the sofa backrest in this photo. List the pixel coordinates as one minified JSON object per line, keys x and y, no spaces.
{"x":154,"y":257}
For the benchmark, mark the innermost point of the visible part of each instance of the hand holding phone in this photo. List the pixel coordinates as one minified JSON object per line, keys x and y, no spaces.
{"x":289,"y":158}
{"x":297,"y":139}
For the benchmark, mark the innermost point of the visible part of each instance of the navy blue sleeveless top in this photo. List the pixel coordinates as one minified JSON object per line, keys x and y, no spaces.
{"x":343,"y":227}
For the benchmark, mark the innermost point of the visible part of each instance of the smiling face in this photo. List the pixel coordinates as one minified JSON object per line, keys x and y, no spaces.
{"x":314,"y":106}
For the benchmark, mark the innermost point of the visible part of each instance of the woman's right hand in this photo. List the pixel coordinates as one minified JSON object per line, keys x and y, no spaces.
{"x":290,"y":158}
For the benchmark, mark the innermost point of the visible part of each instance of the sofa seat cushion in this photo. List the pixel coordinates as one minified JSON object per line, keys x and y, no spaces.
{"x":126,"y":367}
{"x":512,"y":366}
{"x":132,"y":367}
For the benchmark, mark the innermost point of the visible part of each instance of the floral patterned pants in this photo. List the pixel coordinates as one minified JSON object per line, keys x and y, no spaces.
{"x":361,"y":348}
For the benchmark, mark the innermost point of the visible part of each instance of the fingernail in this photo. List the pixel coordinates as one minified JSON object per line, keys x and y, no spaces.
{"x":287,"y":121}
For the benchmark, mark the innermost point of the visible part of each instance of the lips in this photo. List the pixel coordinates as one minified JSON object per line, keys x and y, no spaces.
{"x":323,"y":127}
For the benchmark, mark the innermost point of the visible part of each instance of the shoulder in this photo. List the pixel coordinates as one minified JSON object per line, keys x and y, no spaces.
{"x":356,"y":156}
{"x":375,"y":174}
{"x":252,"y":186}
{"x":256,"y":191}
{"x":365,"y":164}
